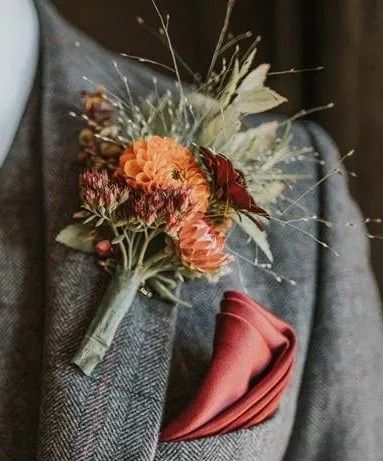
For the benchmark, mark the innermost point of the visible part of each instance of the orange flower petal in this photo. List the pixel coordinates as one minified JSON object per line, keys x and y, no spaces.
{"x":166,"y":164}
{"x":201,"y":246}
{"x":132,"y":168}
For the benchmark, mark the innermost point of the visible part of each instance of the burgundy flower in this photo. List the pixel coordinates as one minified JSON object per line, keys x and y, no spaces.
{"x":229,"y":183}
{"x":100,"y":188}
{"x":162,"y":205}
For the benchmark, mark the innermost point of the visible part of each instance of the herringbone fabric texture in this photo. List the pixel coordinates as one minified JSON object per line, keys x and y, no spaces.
{"x":21,"y":289}
{"x":159,"y":356}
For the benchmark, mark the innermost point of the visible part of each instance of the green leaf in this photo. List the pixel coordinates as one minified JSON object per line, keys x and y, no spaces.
{"x":253,"y":97}
{"x":231,"y":87}
{"x":221,"y":128}
{"x":247,"y":64}
{"x":258,"y":236}
{"x":165,"y":293}
{"x":260,"y":100}
{"x":118,"y":239}
{"x":120,"y":223}
{"x":76,"y":236}
{"x":179,"y":276}
{"x":203,"y":104}
{"x":91,"y":218}
{"x":236,"y":76}
{"x":255,"y":79}
{"x":271,"y":192}
{"x":81,"y":214}
{"x":263,"y":137}
{"x":167,"y":281}
{"x":100,"y":222}
{"x":248,"y":144}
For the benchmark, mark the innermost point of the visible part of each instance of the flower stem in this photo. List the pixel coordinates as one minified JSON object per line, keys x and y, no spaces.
{"x":148,"y":238}
{"x":123,"y":249}
{"x":115,"y":304}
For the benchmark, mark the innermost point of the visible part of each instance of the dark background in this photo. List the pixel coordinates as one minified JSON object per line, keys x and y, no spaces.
{"x":346,"y":36}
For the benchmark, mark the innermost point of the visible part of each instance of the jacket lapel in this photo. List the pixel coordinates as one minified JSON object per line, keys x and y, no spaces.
{"x":118,"y":410}
{"x":21,"y":288}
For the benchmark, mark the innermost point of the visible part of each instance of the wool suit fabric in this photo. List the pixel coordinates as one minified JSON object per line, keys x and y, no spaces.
{"x":48,"y":295}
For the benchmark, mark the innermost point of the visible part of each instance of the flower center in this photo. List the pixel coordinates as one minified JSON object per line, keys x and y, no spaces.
{"x":177,"y":175}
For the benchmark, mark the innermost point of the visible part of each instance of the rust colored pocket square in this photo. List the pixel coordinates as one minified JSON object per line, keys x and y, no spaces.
{"x":250,"y":370}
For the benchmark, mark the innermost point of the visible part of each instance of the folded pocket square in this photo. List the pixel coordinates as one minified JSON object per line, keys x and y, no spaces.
{"x":250,"y":369}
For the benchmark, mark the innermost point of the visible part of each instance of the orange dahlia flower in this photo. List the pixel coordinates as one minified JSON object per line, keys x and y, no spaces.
{"x":162,"y":162}
{"x":201,"y":246}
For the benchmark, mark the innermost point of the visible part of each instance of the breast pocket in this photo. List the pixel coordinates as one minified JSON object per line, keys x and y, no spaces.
{"x":264,"y":442}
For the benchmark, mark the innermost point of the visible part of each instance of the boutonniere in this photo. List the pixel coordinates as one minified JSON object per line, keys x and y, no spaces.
{"x":166,"y":177}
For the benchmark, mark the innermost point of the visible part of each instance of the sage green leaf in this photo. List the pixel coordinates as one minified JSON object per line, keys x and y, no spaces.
{"x":100,"y":222}
{"x":250,"y":144}
{"x":259,"y":100}
{"x":120,"y":223}
{"x":236,"y":76}
{"x":270,"y":193}
{"x":167,"y":281}
{"x":258,"y":236}
{"x":238,"y":145}
{"x":179,"y":276}
{"x":247,"y":64}
{"x":231,"y":87}
{"x":221,"y":128}
{"x":263,"y":136}
{"x":81,"y":214}
{"x":118,"y":239}
{"x":204,"y":104}
{"x":255,"y":79}
{"x":166,"y":294}
{"x":91,"y":218}
{"x":76,"y":236}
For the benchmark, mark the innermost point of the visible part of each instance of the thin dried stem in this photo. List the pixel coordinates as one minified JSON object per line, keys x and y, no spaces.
{"x":293,"y":70}
{"x":180,"y":59}
{"x":229,"y":9}
{"x":170,"y":45}
{"x":147,"y":61}
{"x":234,"y":41}
{"x":304,"y":112}
{"x":333,"y":171}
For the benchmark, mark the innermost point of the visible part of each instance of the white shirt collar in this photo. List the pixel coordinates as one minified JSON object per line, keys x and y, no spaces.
{"x":19,"y":49}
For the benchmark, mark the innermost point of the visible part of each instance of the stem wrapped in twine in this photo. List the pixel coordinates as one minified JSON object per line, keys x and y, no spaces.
{"x":114,"y":305}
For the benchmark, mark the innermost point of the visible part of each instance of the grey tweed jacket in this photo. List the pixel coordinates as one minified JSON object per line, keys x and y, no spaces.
{"x":48,"y":294}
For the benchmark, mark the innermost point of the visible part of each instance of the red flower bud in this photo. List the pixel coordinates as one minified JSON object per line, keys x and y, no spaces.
{"x":104,"y":247}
